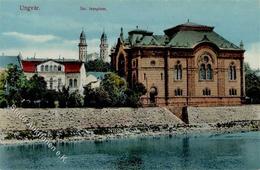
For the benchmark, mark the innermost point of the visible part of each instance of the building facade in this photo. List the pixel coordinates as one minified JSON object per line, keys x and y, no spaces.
{"x":57,"y":72}
{"x":189,"y":65}
{"x":60,"y":72}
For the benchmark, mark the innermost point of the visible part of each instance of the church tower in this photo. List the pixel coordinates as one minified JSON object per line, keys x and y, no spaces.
{"x":82,"y":47}
{"x":103,"y":47}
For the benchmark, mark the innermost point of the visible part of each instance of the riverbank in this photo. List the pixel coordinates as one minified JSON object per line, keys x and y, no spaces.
{"x":61,"y":125}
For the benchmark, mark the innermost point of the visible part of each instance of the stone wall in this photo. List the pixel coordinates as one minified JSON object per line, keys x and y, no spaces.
{"x":83,"y":118}
{"x":198,"y":115}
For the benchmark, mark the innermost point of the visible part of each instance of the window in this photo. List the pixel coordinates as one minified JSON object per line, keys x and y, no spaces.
{"x":178,"y":92}
{"x":70,"y":83}
{"x":161,"y":76}
{"x":51,"y":83}
{"x":51,"y":67}
{"x":46,"y":68}
{"x":144,"y":76}
{"x":59,"y":83}
{"x":202,"y":72}
{"x":232,"y":92}
{"x":59,"y":68}
{"x":55,"y":68}
{"x":209,"y":72}
{"x":232,"y":72}
{"x":152,"y":62}
{"x":42,"y":67}
{"x":205,"y":71}
{"x":133,"y":63}
{"x":178,"y":71}
{"x":75,"y":83}
{"x":206,"y":92}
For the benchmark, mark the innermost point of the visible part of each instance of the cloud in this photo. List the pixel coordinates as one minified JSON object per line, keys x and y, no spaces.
{"x":252,"y":55}
{"x":30,"y":37}
{"x":63,"y":48}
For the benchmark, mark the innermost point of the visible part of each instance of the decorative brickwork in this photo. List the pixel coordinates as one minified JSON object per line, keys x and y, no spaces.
{"x":193,"y":72}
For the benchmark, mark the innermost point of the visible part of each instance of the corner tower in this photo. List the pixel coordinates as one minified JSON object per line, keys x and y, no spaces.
{"x":82,"y":47}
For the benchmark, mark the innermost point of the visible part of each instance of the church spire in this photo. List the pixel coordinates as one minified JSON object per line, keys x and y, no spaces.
{"x":103,"y":47}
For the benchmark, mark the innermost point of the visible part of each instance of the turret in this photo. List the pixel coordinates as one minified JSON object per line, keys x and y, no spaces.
{"x":82,"y":47}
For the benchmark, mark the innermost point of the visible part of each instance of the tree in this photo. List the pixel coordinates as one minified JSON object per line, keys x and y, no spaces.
{"x":15,"y":81}
{"x":63,"y":97}
{"x":134,"y":94}
{"x":98,"y":65}
{"x":116,"y":87}
{"x":96,"y":97}
{"x":3,"y":101}
{"x":75,"y":99}
{"x":252,"y":84}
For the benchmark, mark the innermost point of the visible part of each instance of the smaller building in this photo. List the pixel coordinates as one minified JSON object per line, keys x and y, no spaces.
{"x":94,"y":78}
{"x":57,"y":72}
{"x":6,"y":60}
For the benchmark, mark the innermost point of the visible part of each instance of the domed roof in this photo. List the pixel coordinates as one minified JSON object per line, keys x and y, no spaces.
{"x":82,"y":35}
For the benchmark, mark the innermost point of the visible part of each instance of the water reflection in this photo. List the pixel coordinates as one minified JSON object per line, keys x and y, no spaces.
{"x":185,"y":152}
{"x":231,"y":151}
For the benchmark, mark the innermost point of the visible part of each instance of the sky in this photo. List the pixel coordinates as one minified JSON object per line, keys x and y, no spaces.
{"x":53,"y":30}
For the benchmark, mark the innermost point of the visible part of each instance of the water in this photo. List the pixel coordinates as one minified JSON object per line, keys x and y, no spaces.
{"x":200,"y":151}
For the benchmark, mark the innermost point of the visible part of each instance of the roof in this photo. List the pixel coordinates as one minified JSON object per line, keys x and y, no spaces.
{"x":187,"y":26}
{"x":186,"y":35}
{"x":98,"y":75}
{"x":71,"y":66}
{"x":82,"y":35}
{"x":6,"y":60}
{"x":104,"y":36}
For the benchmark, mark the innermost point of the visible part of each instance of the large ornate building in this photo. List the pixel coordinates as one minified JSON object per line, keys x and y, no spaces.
{"x":189,"y":65}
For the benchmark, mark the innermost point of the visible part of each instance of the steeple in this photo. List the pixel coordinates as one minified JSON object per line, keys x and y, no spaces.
{"x":103,"y":46}
{"x":121,"y":34}
{"x":241,"y":44}
{"x":82,"y":46}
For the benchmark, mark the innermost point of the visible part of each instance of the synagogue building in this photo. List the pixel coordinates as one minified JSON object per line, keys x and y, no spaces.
{"x":190,"y":64}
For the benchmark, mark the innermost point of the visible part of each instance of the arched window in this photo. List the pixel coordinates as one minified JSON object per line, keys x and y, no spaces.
{"x":121,"y":66}
{"x":232,"y":72}
{"x":206,"y":92}
{"x":51,"y":68}
{"x":178,"y":71}
{"x":70,"y":83}
{"x":51,"y":83}
{"x":59,"y":68}
{"x":42,"y":67}
{"x":178,"y":92}
{"x":205,"y":71}
{"x":55,"y":68}
{"x":59,"y":83}
{"x":75,"y":83}
{"x":46,"y":68}
{"x":202,"y":72}
{"x":209,"y":72}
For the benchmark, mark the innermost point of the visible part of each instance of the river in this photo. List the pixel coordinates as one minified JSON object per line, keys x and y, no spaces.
{"x":193,"y":151}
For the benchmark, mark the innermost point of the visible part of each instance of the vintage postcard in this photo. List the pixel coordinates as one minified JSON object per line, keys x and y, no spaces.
{"x":129,"y":84}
